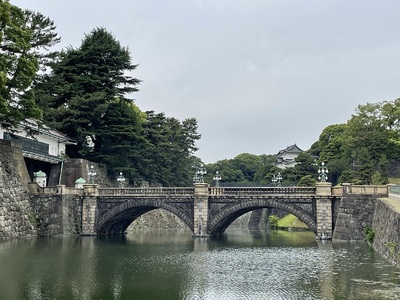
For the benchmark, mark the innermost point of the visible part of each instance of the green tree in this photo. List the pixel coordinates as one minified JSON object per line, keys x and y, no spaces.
{"x":307,"y":180}
{"x":83,"y":83}
{"x":305,"y":165}
{"x":368,"y":138}
{"x":168,"y":153}
{"x":25,"y":37}
{"x":331,"y":143}
{"x":228,"y":171}
{"x":266,"y":170}
{"x":248,"y":164}
{"x":122,"y":140}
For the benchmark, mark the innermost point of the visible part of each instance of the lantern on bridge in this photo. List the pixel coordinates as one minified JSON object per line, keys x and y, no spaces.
{"x":40,"y":178}
{"x":79,"y":183}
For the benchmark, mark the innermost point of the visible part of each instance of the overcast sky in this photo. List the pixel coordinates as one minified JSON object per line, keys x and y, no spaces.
{"x":258,"y":75}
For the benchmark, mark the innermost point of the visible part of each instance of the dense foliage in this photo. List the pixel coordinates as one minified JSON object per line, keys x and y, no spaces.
{"x":85,"y":96}
{"x":24,"y":39}
{"x":357,"y":152}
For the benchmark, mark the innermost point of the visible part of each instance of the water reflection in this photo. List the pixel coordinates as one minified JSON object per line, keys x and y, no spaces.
{"x":173,"y":265}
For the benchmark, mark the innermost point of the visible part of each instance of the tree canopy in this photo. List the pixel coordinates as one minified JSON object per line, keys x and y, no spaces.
{"x":84,"y":82}
{"x":25,"y":37}
{"x":86,"y":96}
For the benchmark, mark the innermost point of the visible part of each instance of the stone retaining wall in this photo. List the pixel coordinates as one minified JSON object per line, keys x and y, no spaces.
{"x":15,"y":210}
{"x":386,"y":225}
{"x":75,"y":168}
{"x":56,"y":215}
{"x":355,"y":214}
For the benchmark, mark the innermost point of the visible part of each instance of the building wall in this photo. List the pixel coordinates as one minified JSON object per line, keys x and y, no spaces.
{"x":55,"y":148}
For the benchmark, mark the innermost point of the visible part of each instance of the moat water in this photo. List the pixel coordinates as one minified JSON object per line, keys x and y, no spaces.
{"x":173,"y":265}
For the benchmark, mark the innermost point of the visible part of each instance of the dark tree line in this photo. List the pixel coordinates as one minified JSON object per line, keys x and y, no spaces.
{"x":84,"y":92}
{"x":358,"y":152}
{"x":25,"y":37}
{"x":86,"y":97}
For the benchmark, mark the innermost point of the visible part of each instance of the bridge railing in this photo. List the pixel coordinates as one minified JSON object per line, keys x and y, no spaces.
{"x":35,"y":189}
{"x":262,"y":190}
{"x":360,"y":190}
{"x":394,"y":190}
{"x":145,"y":191}
{"x":369,"y":189}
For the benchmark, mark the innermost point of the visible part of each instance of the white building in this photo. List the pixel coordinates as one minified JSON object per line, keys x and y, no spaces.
{"x":286,"y":157}
{"x":44,"y":151}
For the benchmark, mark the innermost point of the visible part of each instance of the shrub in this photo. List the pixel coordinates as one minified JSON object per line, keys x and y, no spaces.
{"x":369,"y":234}
{"x":273,"y":221}
{"x":391,"y":247}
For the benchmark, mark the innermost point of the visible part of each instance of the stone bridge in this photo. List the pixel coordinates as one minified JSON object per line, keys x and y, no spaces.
{"x":208,"y":211}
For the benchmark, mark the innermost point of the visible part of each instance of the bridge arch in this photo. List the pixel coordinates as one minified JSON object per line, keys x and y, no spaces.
{"x":223,"y":218}
{"x":118,"y":218}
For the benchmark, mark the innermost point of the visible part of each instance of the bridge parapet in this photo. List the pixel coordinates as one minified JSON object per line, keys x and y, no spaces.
{"x":289,"y":191}
{"x":35,"y":189}
{"x":394,"y":190}
{"x":145,"y":191}
{"x":346,"y":189}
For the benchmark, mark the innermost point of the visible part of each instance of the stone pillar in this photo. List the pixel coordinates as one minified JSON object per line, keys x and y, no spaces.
{"x":61,"y":189}
{"x":200,"y":210}
{"x":89,"y":207}
{"x":324,"y":211}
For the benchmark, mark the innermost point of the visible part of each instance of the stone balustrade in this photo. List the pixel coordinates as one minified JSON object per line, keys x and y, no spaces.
{"x":382,"y":190}
{"x":145,"y":191}
{"x":231,"y":191}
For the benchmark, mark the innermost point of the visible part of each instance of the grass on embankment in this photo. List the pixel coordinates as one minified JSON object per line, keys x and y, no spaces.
{"x":291,"y":221}
{"x":394,"y":180}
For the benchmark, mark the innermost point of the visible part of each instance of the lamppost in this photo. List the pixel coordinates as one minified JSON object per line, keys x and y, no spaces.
{"x":323,"y":172}
{"x":91,"y":173}
{"x":198,"y":176}
{"x":121,"y":180}
{"x":217,"y":178}
{"x":279,"y":178}
{"x":276,"y":179}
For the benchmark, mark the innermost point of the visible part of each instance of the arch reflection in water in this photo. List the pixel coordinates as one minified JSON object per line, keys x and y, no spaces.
{"x":173,"y":265}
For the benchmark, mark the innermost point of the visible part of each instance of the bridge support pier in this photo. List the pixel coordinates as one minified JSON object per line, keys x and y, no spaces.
{"x":89,"y":207}
{"x":200,"y":210}
{"x":324,"y":211}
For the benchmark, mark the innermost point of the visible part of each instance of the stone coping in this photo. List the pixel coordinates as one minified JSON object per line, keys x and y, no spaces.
{"x":393,"y":202}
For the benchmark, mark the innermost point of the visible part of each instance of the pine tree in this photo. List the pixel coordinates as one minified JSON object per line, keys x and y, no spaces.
{"x":25,"y":37}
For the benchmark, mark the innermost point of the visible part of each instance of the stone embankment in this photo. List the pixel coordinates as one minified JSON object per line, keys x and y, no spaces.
{"x":355,"y":214}
{"x":386,"y":226}
{"x":56,"y":214}
{"x":15,"y":211}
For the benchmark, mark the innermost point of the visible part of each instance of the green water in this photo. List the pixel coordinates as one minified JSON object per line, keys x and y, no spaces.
{"x":173,"y":265}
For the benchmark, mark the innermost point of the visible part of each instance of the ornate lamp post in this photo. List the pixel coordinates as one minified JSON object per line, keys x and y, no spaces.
{"x":121,"y":179}
{"x":217,"y":178}
{"x":323,"y":172}
{"x":276,"y":179}
{"x":91,"y":173}
{"x":195,"y":178}
{"x":199,"y":175}
{"x":279,"y":178}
